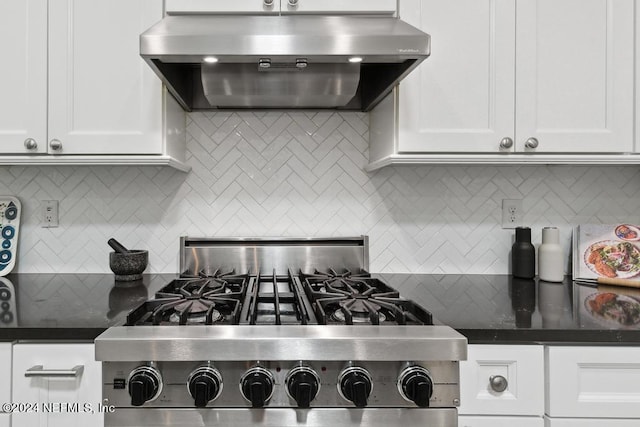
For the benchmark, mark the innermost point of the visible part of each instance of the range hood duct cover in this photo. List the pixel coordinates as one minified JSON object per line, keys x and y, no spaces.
{"x":307,"y":60}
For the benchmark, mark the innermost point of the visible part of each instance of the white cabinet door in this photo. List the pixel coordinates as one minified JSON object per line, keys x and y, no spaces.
{"x":574,"y":75}
{"x":338,"y":6}
{"x":589,"y":422}
{"x":23,"y":75}
{"x":5,"y":374}
{"x":281,"y":6}
{"x":461,"y":98}
{"x":489,"y":421}
{"x":48,"y":391}
{"x":593,"y":382}
{"x":5,"y":420}
{"x":103,"y":98}
{"x":520,"y":368}
{"x":222,"y":6}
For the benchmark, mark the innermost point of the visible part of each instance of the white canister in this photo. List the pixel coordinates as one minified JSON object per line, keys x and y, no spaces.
{"x":550,"y":256}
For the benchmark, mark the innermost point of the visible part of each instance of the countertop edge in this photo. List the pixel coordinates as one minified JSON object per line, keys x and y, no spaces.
{"x":474,"y":336}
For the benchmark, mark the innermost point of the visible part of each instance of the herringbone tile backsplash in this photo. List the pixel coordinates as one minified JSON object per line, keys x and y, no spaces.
{"x":301,"y":174}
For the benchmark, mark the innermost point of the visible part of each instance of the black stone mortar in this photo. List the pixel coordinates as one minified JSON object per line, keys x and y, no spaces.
{"x":130,"y":265}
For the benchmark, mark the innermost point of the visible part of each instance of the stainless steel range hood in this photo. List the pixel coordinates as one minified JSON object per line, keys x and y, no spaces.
{"x":260,"y":62}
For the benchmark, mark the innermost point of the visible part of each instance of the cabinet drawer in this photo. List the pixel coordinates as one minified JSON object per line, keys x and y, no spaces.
{"x":221,"y":6}
{"x":339,"y":6}
{"x":485,"y":421}
{"x":80,"y":386}
{"x":585,"y":422}
{"x":593,"y":382}
{"x":5,"y":374}
{"x":521,"y":366}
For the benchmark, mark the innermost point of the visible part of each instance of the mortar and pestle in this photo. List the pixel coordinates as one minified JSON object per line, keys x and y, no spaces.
{"x":126,"y":264}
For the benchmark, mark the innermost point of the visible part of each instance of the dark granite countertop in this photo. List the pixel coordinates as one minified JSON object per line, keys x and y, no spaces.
{"x":501,"y":309}
{"x":69,"y":306}
{"x":484,"y":308}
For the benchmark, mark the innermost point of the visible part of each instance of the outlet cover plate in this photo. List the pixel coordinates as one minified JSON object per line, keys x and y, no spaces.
{"x":512,"y":213}
{"x":50,"y":214}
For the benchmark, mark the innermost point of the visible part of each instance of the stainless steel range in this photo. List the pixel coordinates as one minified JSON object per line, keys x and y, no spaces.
{"x":280,"y":332}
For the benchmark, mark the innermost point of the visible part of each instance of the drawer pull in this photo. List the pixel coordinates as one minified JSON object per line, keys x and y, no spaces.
{"x":39,"y":371}
{"x":498,"y":383}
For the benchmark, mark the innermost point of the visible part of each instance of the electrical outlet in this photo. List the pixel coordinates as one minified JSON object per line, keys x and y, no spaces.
{"x":511,"y":213}
{"x":50,"y":214}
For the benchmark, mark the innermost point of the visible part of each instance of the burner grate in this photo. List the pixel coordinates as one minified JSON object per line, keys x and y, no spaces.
{"x":276,"y":300}
{"x":208,"y":300}
{"x":356,"y":298}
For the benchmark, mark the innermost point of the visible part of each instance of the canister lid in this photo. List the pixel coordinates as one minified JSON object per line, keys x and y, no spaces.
{"x":550,"y":235}
{"x":523,"y":234}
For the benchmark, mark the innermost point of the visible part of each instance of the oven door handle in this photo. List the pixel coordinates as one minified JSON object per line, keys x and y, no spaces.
{"x":39,"y":371}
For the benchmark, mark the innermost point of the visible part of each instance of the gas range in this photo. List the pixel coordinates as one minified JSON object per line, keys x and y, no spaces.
{"x":283,"y":332}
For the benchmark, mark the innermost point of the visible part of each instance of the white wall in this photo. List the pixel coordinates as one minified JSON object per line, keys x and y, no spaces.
{"x":300,"y":174}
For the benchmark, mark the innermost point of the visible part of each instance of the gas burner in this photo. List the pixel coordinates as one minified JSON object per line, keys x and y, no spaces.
{"x":357,"y":298}
{"x":185,"y":301}
{"x":333,"y":277}
{"x":197,"y":318}
{"x":207,"y":273}
{"x":356,"y":317}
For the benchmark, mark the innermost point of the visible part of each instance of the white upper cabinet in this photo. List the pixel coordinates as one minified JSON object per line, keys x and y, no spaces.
{"x":338,"y":6}
{"x":77,"y":85}
{"x":23,"y":76}
{"x":461,"y":98}
{"x":510,"y":78}
{"x":103,"y":98}
{"x":574,"y":75}
{"x":282,"y":6}
{"x":222,"y":6}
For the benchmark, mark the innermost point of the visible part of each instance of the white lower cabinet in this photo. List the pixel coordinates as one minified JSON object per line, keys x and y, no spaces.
{"x":586,"y":422}
{"x":5,"y":382}
{"x":550,"y":386}
{"x":63,"y":381}
{"x":502,"y":385}
{"x":489,"y":421}
{"x":593,"y":382}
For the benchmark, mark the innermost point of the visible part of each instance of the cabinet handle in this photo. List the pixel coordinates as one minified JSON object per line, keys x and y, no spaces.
{"x":293,"y":3}
{"x":506,"y":142}
{"x":30,"y":144}
{"x":498,"y":383}
{"x":268,"y":2}
{"x":39,"y":371}
{"x":55,"y":144}
{"x":531,"y":143}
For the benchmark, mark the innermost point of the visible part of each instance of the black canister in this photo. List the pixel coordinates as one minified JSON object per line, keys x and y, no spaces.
{"x":523,"y":255}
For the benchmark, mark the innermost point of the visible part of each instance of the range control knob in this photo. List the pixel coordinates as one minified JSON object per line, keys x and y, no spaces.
{"x":415,"y":385}
{"x":256,"y":386}
{"x":145,"y":384}
{"x":204,"y":385}
{"x":355,"y":384}
{"x":302,"y":385}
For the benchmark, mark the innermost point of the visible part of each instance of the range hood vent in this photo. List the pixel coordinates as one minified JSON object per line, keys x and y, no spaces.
{"x":281,"y":62}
